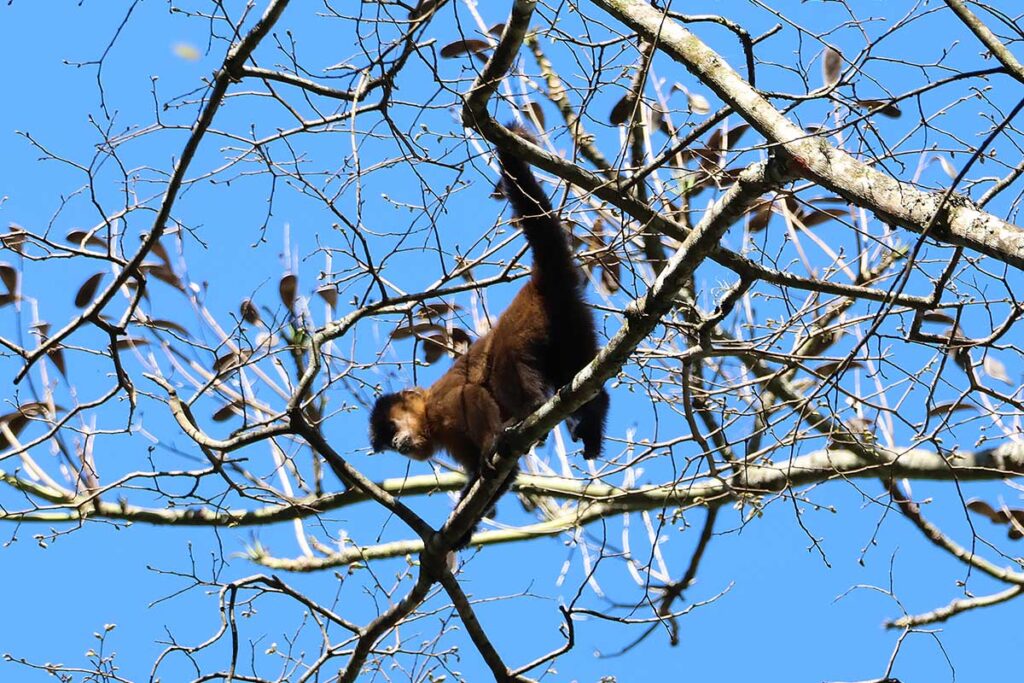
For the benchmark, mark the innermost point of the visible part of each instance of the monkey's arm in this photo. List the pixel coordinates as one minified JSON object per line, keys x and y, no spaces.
{"x":475,"y":417}
{"x":470,"y":417}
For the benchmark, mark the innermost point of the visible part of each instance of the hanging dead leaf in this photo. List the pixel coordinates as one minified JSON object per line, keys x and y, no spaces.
{"x":760,"y":217}
{"x":883,"y":107}
{"x":980,"y":507}
{"x":938,"y":317}
{"x":461,"y":47}
{"x":88,"y":289}
{"x":460,"y":341}
{"x":819,"y":216}
{"x":6,"y":299}
{"x":429,"y":311}
{"x":946,"y":166}
{"x":433,"y":347}
{"x":15,"y":238}
{"x":622,"y":110}
{"x":328,"y":293}
{"x":9,"y":276}
{"x":496,"y":30}
{"x":533,"y":111}
{"x":611,"y":273}
{"x":249,"y":312}
{"x":709,"y":160}
{"x":161,"y":253}
{"x":82,"y":239}
{"x":19,"y":419}
{"x":416,"y":329}
{"x":168,"y":325}
{"x":962,"y":357}
{"x":422,"y":9}
{"x":288,"y":288}
{"x":230,"y":360}
{"x":659,"y":120}
{"x":831,"y":66}
{"x":608,"y":259}
{"x":227,"y":412}
{"x":56,"y":356}
{"x":828,"y":369}
{"x":949,"y":408}
{"x":717,"y":138}
{"x":130,"y":342}
{"x":163,"y":273}
{"x":698,"y":104}
{"x":995,"y":369}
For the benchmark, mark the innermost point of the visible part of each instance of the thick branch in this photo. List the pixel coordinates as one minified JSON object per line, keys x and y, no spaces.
{"x":821,"y":466}
{"x":895,"y":202}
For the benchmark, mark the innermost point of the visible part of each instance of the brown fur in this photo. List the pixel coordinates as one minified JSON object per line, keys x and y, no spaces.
{"x":539,"y":343}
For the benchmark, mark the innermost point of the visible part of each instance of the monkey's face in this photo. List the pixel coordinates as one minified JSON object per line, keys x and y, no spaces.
{"x":399,"y":423}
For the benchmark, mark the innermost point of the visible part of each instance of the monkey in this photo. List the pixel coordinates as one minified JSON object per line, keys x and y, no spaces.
{"x":538,"y":344}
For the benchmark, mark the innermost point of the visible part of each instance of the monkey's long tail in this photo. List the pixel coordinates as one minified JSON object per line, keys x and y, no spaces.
{"x":551,"y":254}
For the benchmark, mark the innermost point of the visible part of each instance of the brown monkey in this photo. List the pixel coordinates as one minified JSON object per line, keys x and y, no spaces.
{"x":538,"y":345}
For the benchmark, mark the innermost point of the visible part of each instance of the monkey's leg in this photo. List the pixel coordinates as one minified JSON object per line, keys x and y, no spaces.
{"x":589,"y":425}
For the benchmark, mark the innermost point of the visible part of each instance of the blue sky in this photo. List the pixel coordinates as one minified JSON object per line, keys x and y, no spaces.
{"x":782,"y":617}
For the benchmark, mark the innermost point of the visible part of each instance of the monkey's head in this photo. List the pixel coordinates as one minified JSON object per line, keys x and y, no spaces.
{"x":399,"y":423}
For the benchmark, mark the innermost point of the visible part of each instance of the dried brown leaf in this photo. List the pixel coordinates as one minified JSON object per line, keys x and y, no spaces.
{"x":130,"y":342}
{"x":829,"y":368}
{"x":88,"y":290}
{"x":416,"y":329}
{"x":82,"y":239}
{"x":819,"y":216}
{"x":938,"y":317}
{"x":980,"y":507}
{"x":56,"y":356}
{"x":947,"y":167}
{"x":288,"y":288}
{"x":15,"y":238}
{"x":168,"y":325}
{"x":9,"y":276}
{"x":698,"y":104}
{"x":760,"y":217}
{"x":249,"y":312}
{"x":461,"y":47}
{"x":230,"y":360}
{"x":831,"y":66}
{"x":227,"y":412}
{"x":163,"y":273}
{"x":730,"y":139}
{"x":328,"y":293}
{"x":622,"y":110}
{"x":533,"y":111}
{"x":161,"y":253}
{"x":949,"y":407}
{"x":883,"y":107}
{"x":434,"y":346}
{"x":995,"y":369}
